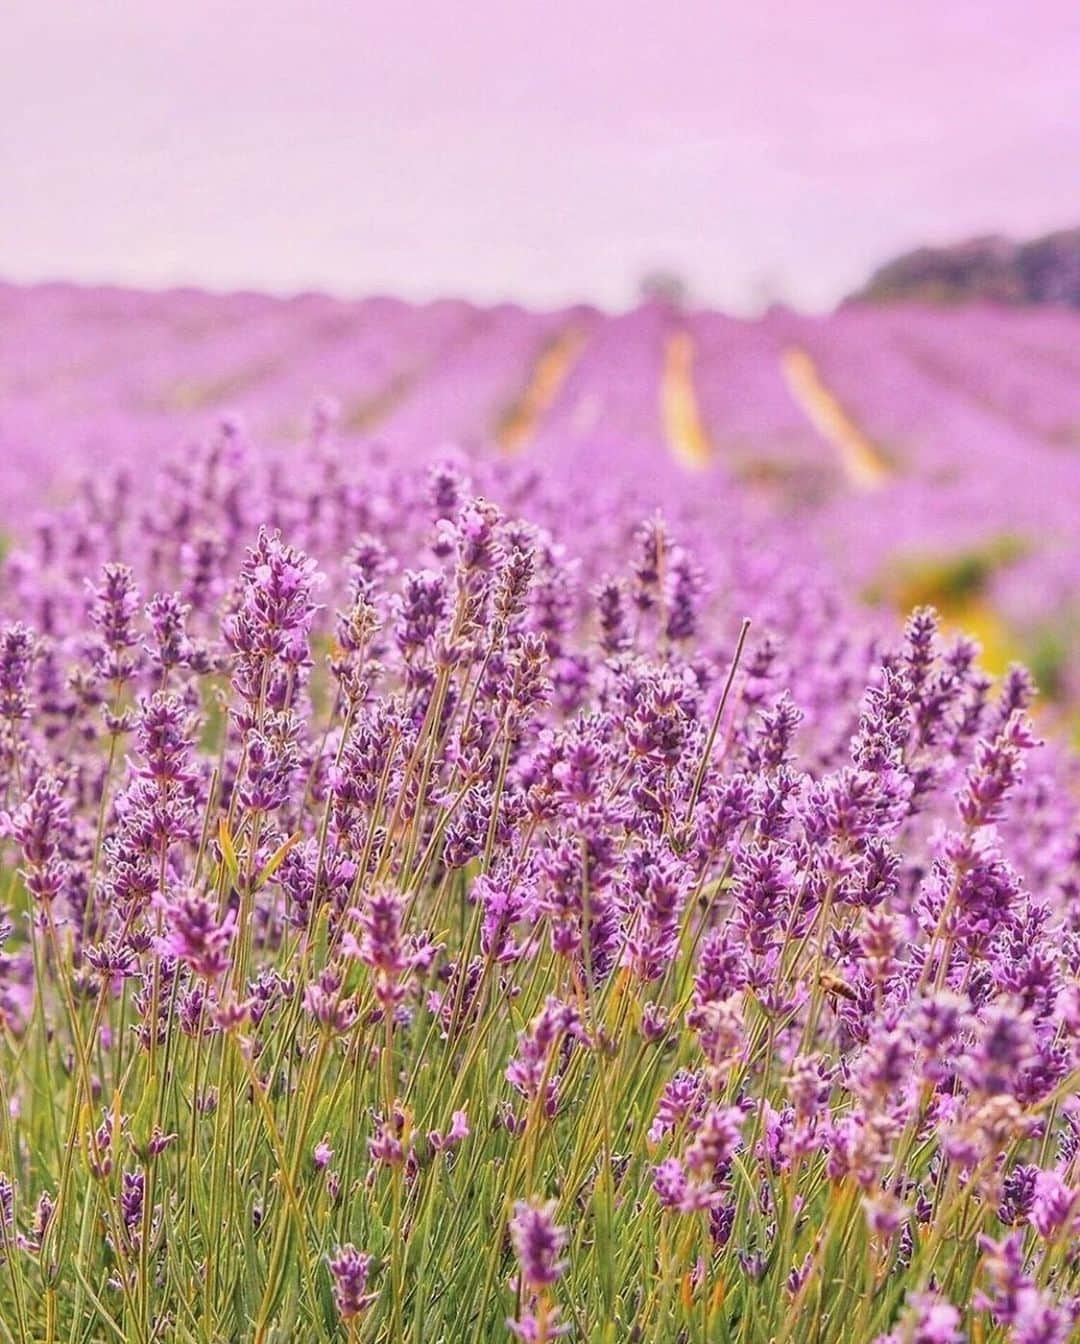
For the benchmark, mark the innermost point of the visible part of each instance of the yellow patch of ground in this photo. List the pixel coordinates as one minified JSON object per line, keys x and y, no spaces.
{"x":192,"y":395}
{"x":679,"y":414}
{"x":365,"y":415}
{"x":955,"y":585}
{"x":556,"y":360}
{"x":863,"y":462}
{"x":981,"y":622}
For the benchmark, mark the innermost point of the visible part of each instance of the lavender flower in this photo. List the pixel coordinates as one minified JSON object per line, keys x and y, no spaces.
{"x":537,"y":1243}
{"x":195,"y":935}
{"x":380,"y":945}
{"x":349,"y":1270}
{"x":17,"y":653}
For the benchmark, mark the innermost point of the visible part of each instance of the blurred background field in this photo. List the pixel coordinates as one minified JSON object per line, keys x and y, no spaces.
{"x":926,"y":453}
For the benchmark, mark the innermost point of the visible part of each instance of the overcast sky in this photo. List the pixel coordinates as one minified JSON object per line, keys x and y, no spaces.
{"x":545,"y":151}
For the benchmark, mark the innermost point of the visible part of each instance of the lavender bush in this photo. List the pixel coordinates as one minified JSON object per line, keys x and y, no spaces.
{"x":431,"y":913}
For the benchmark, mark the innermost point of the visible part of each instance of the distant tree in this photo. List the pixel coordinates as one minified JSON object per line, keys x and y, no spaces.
{"x":661,"y":285}
{"x":991,"y":269}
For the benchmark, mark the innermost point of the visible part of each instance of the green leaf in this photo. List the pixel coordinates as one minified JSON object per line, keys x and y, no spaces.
{"x":228,"y":850}
{"x":275,"y":860}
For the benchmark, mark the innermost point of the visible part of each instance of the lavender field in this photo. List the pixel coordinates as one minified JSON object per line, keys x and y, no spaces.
{"x":537,"y":825}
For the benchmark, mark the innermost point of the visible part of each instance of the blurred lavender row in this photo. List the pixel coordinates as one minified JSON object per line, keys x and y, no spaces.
{"x":959,"y":489}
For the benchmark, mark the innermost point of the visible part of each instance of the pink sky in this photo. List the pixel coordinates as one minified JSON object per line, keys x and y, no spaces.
{"x":542,"y":151}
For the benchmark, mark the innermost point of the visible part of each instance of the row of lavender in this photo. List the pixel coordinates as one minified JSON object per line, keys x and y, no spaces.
{"x":438,"y":919}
